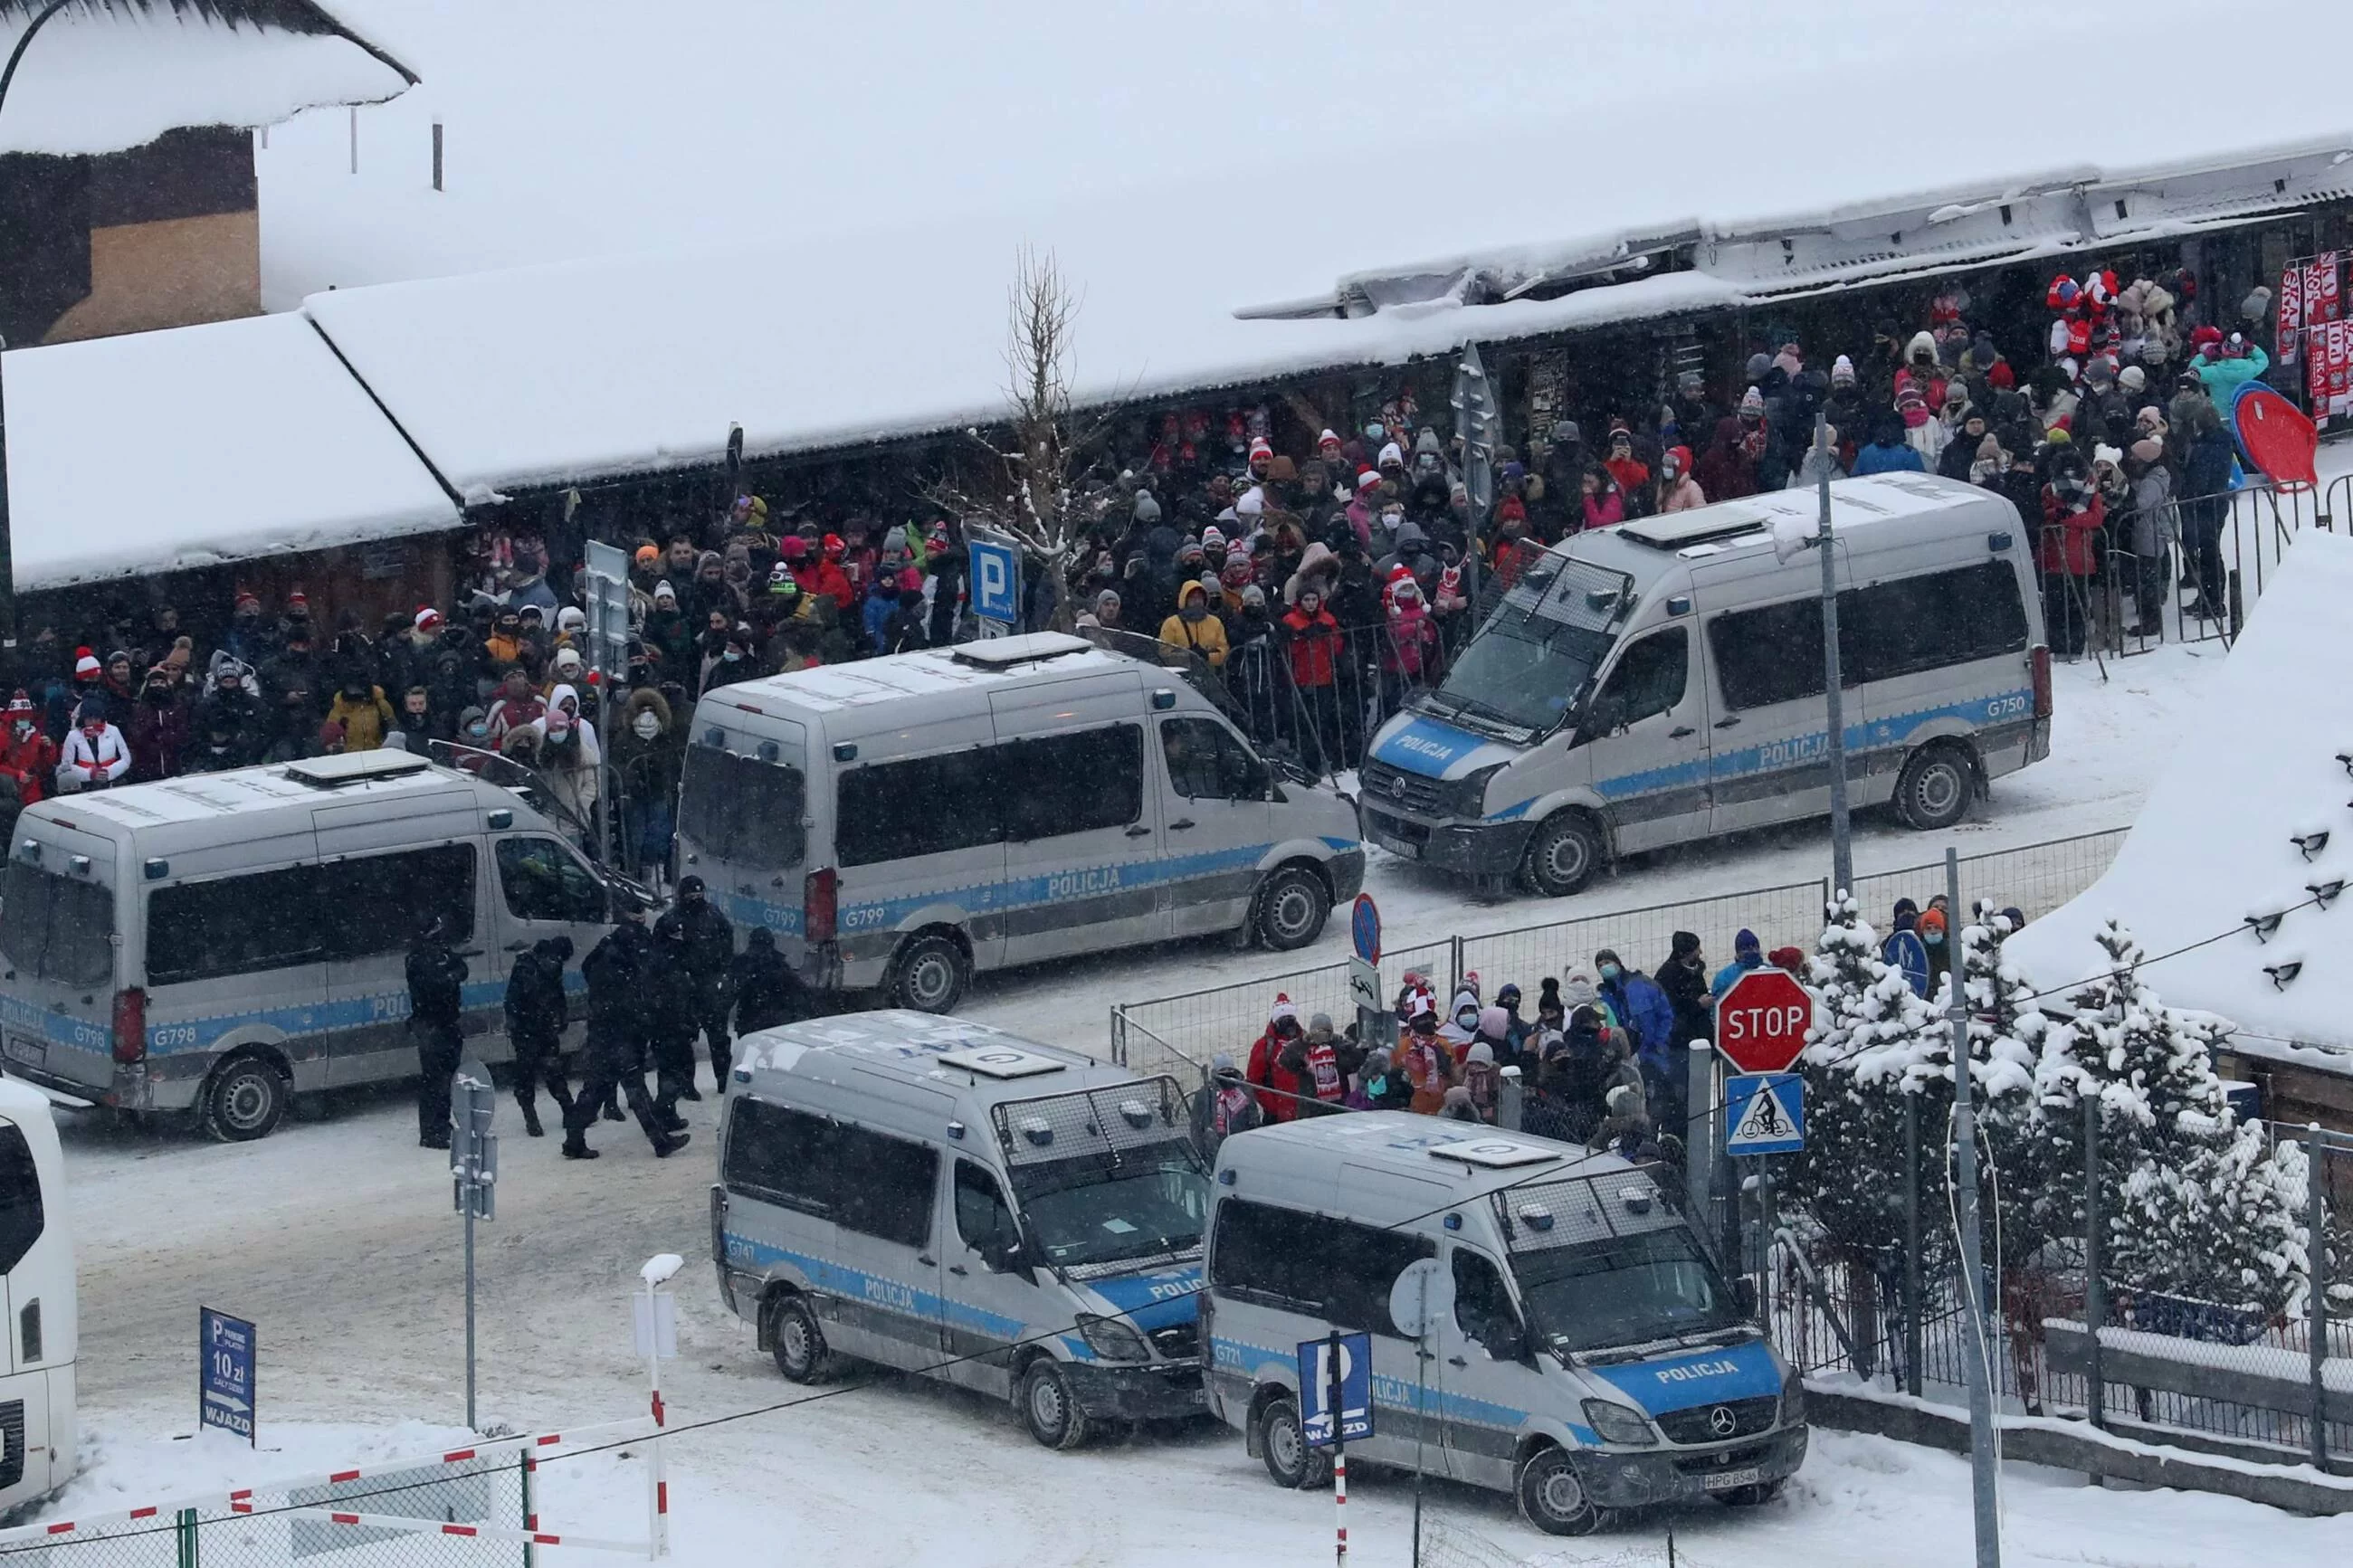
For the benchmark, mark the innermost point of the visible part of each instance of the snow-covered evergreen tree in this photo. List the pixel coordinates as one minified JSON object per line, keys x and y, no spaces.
{"x":1869,"y":1048}
{"x":2194,"y":1202}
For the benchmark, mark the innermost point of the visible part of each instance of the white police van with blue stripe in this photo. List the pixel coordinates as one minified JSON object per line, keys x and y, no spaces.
{"x":1585,"y":1354}
{"x":935,"y":1195}
{"x":218,"y":942}
{"x":901,"y":823}
{"x":1661,"y":680}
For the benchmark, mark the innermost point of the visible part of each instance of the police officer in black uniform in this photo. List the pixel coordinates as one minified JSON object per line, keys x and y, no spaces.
{"x":538,"y":1010}
{"x":767,"y":992}
{"x":673,"y":997}
{"x":436,"y":976}
{"x":618,"y":970}
{"x":710,"y":950}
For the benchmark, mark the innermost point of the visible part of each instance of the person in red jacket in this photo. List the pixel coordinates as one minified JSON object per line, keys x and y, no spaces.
{"x":1310,"y":640}
{"x":1278,"y":1063}
{"x":826,"y":576}
{"x":2069,"y":554}
{"x":28,"y":758}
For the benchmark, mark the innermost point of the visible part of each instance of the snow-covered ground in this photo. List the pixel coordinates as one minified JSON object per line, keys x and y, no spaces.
{"x":335,"y":1235}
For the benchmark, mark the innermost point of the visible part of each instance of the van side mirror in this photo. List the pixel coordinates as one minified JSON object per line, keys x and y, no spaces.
{"x":1603,"y":716}
{"x":1744,"y":1296}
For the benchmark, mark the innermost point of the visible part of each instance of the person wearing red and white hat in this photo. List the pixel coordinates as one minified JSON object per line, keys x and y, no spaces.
{"x":1278,"y":1062}
{"x":28,"y":758}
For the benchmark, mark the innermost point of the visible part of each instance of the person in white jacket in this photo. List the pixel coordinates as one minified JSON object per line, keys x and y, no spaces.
{"x":95,"y":754}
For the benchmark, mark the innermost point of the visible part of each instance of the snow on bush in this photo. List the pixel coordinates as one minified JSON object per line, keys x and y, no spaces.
{"x":2194,"y":1202}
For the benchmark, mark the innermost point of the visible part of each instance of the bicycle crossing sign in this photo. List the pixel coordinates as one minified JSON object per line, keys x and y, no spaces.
{"x":1765,"y":1113}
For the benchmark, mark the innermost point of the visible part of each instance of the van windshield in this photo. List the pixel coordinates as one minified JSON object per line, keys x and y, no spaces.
{"x":1154,"y":1204}
{"x":1624,"y":1290}
{"x":57,"y":927}
{"x":1529,"y":664}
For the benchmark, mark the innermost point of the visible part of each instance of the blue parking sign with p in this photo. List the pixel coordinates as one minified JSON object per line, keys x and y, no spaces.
{"x":995,"y":582}
{"x":1355,"y":1377}
{"x":225,"y":1350}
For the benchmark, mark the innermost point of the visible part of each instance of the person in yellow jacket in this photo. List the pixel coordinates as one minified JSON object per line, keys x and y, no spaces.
{"x":365,"y":714}
{"x":1193,"y":629}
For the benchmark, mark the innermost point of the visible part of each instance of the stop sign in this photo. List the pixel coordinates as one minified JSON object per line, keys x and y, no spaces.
{"x":1761,"y":1023}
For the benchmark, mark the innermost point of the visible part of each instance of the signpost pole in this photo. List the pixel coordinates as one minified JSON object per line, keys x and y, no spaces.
{"x":1977,"y":1358}
{"x":1339,"y":1454}
{"x":473,"y":1169}
{"x":471,"y":1425}
{"x":1842,"y":842}
{"x":1421,"y":1355}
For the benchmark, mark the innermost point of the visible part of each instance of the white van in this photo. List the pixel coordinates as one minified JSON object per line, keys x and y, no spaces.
{"x":1590,"y":1357}
{"x":221,"y":941}
{"x":1661,"y":680}
{"x":37,"y":1442}
{"x":940,"y":1197}
{"x":901,"y":823}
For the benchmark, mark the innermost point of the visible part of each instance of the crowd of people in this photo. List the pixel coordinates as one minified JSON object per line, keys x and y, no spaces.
{"x":1601,"y":1057}
{"x":1318,"y":588}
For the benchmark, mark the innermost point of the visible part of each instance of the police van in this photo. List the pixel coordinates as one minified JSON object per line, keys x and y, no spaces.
{"x":1661,"y":681}
{"x":218,"y":942}
{"x":902,"y":823}
{"x":937,"y":1196}
{"x":1586,"y":1355}
{"x":38,"y":1448}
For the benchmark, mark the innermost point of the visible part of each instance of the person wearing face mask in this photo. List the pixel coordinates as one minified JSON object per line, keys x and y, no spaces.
{"x":734,"y":662}
{"x":95,"y":754}
{"x":365,"y":715}
{"x":158,"y":726}
{"x":249,"y":637}
{"x":1192,"y":632}
{"x":647,"y":756}
{"x":28,"y":758}
{"x":1931,"y":929}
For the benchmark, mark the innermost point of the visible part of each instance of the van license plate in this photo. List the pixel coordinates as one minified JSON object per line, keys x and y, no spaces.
{"x":31,"y":1052}
{"x":1727,"y":1480}
{"x":1396,"y":846}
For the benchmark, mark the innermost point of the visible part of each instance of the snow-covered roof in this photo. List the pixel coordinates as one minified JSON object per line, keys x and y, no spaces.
{"x":2213,"y":845}
{"x":584,"y":369}
{"x":109,"y":74}
{"x":556,"y":375}
{"x":155,"y":451}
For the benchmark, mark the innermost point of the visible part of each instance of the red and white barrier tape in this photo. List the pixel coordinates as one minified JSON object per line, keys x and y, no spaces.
{"x":477,"y":1531}
{"x":241,"y":1500}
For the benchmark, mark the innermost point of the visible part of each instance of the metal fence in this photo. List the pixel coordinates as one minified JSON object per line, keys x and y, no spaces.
{"x":1192,"y":1027}
{"x":2077,"y":1335}
{"x":271,"y":1526}
{"x":2213,"y":557}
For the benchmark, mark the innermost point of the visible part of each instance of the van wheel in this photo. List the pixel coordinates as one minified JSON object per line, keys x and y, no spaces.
{"x":1291,"y":908}
{"x":799,"y":1344}
{"x":929,"y":975}
{"x":1049,"y":1405}
{"x":1936,"y":788}
{"x":243,"y":1099}
{"x":1283,"y":1445}
{"x":1552,"y":1495}
{"x":1562,"y":856}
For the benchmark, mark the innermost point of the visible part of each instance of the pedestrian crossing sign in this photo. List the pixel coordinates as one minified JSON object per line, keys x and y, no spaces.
{"x":1765,"y":1113}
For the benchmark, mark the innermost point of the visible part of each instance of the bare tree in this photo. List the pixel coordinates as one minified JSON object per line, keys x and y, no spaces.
{"x":1029,"y":486}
